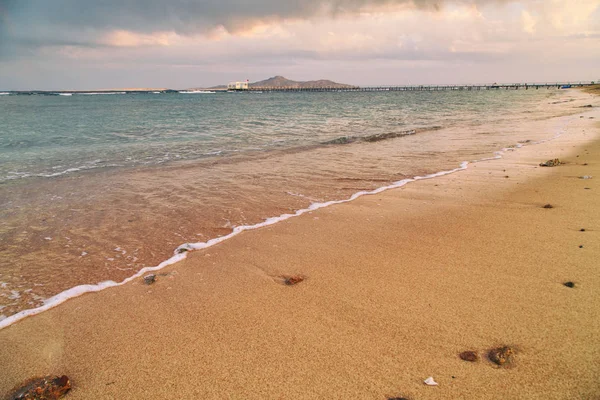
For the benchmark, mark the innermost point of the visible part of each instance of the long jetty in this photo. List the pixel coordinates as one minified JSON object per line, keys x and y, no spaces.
{"x":425,"y":88}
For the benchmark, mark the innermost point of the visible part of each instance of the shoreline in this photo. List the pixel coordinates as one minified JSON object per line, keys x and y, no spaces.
{"x":396,"y":285}
{"x":180,"y":251}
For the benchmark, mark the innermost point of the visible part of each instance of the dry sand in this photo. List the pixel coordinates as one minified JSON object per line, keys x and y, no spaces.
{"x":397,"y":284}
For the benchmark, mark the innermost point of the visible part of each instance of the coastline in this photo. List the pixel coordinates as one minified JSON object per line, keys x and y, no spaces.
{"x":383,"y":272}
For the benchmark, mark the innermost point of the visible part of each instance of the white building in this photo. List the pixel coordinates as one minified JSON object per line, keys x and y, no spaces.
{"x":238,"y":85}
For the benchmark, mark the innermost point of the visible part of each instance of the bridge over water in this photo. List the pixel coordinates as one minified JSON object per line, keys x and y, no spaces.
{"x":428,"y":88}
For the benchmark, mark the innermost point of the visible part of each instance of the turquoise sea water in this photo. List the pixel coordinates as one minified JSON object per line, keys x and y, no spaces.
{"x":97,"y":187}
{"x":51,"y":135}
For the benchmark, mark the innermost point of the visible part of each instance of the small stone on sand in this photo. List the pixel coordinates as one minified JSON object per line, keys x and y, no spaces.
{"x":470,"y":356}
{"x":149,"y":279}
{"x":47,"y":388}
{"x":551,"y":163}
{"x":581,"y":246}
{"x":501,"y":355}
{"x":293,"y":280}
{"x":548,"y":206}
{"x":569,"y":284}
{"x":582,"y":230}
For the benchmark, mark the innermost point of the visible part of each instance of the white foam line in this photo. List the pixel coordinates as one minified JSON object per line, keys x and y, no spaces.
{"x":181,"y":251}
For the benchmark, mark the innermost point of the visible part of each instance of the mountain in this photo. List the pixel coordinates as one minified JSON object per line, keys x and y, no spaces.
{"x":280,"y":81}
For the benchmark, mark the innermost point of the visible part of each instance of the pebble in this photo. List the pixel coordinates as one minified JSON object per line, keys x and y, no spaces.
{"x":149,"y":279}
{"x":569,"y":284}
{"x":470,"y":356}
{"x":548,"y":206}
{"x":47,"y":388}
{"x":501,"y":355}
{"x":293,"y":280}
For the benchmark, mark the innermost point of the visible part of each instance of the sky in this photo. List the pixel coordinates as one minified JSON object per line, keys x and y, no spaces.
{"x":101,"y":44}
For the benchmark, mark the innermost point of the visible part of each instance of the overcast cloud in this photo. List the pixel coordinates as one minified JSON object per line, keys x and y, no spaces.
{"x":184,"y":43}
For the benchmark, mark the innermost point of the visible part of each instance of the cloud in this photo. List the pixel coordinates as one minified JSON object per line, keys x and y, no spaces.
{"x":67,"y":21}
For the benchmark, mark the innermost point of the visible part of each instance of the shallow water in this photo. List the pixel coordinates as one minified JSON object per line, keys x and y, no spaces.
{"x":97,"y":187}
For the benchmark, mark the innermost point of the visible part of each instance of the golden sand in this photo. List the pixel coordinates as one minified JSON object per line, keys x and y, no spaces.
{"x":396,"y":286}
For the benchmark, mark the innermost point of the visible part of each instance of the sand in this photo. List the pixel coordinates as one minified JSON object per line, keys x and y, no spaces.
{"x":397,"y":285}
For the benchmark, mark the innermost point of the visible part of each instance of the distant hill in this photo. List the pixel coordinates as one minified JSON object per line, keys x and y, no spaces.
{"x":281,"y":82}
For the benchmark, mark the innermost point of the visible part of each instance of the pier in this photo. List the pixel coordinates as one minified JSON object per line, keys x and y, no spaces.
{"x":427,"y":88}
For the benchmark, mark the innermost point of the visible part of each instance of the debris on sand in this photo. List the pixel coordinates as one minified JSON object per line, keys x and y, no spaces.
{"x":501,"y":355}
{"x":430,"y":382}
{"x":470,"y":356}
{"x":585,"y":177}
{"x":551,"y":163}
{"x":292,"y":280}
{"x":46,"y":388}
{"x":548,"y":206}
{"x":149,"y":279}
{"x":569,"y":284}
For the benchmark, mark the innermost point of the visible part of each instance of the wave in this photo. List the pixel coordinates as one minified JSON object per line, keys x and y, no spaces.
{"x":4,"y":93}
{"x":197,"y":92}
{"x":21,"y":175}
{"x":378,"y":136}
{"x":181,"y":251}
{"x":95,"y":93}
{"x":65,"y":94}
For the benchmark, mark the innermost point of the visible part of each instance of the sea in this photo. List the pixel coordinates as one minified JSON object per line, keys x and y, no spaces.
{"x":98,"y":189}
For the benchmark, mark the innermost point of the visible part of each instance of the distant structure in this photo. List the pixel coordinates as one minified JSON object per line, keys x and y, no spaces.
{"x":238,"y":85}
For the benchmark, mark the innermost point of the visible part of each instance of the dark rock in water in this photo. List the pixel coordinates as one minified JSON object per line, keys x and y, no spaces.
{"x":47,"y":388}
{"x":569,"y":284}
{"x":341,"y":140}
{"x":551,"y":163}
{"x":470,"y":356}
{"x":293,"y":280}
{"x":501,"y":355}
{"x":548,"y":206}
{"x":149,"y":279}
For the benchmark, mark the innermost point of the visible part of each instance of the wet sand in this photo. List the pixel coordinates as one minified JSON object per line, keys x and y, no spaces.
{"x":396,"y":286}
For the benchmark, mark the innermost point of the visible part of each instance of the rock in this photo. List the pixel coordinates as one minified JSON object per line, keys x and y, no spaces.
{"x":47,"y":388}
{"x":149,"y":279}
{"x":569,"y":284}
{"x":587,"y":106}
{"x":551,"y":163}
{"x":581,"y":246}
{"x":548,"y":206}
{"x":469,"y":356}
{"x":501,"y":355}
{"x":292,"y":280}
{"x":582,"y":230}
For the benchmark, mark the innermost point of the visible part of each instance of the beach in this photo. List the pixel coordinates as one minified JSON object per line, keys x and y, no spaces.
{"x":395,"y":285}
